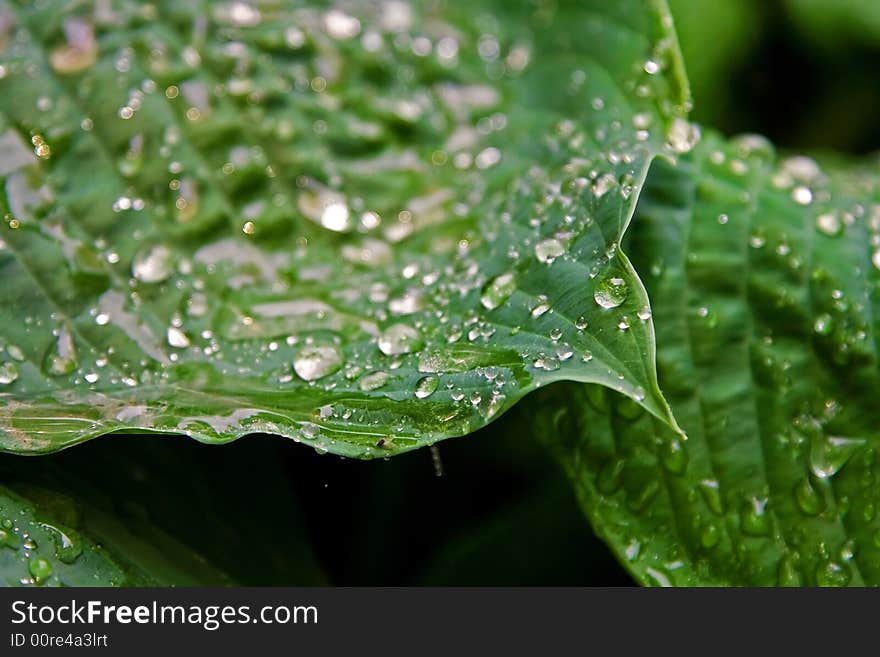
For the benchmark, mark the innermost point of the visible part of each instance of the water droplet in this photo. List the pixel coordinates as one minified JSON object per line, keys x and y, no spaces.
{"x":399,"y":339}
{"x":335,"y":217}
{"x":611,"y":292}
{"x":540,"y":307}
{"x":548,"y":250}
{"x":317,"y":361}
{"x":682,"y":136}
{"x":68,"y":544}
{"x":498,"y":290}
{"x":755,"y":519}
{"x":581,"y":323}
{"x":802,"y":195}
{"x":674,"y":456}
{"x":8,"y":373}
{"x":809,"y":500}
{"x":712,"y":495}
{"x":40,"y":569}
{"x":426,"y":386}
{"x":152,"y":265}
{"x":828,"y":454}
{"x":373,"y":381}
{"x":177,"y":338}
{"x":823,"y":324}
{"x":710,"y":536}
{"x":828,"y":223}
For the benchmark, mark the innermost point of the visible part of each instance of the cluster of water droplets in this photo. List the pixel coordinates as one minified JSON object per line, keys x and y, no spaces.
{"x":350,"y":237}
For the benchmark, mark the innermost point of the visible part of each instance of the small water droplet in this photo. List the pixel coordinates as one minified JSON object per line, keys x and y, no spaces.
{"x":40,"y":569}
{"x":754,"y":516}
{"x":674,"y":456}
{"x":712,"y":495}
{"x":8,"y":373}
{"x":828,"y":223}
{"x":809,"y":500}
{"x":710,"y":536}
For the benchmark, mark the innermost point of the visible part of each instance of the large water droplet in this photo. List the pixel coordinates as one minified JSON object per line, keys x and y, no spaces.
{"x":611,"y":292}
{"x":399,"y":339}
{"x":498,"y":290}
{"x":316,"y":361}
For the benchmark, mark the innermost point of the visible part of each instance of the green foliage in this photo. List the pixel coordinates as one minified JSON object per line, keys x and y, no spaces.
{"x":277,"y":234}
{"x":763,"y":281}
{"x":369,"y":232}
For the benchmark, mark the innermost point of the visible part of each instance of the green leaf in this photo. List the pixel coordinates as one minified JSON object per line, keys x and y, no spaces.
{"x":365,"y":232}
{"x":175,"y":495}
{"x":50,"y":539}
{"x":764,"y":283}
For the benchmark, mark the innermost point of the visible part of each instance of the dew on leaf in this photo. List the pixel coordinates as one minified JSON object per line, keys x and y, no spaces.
{"x":373,"y":381}
{"x":152,"y":265}
{"x":828,"y":454}
{"x":755,"y":521}
{"x":314,"y":362}
{"x":828,"y":223}
{"x":177,"y":338}
{"x":399,"y":339}
{"x":611,"y":292}
{"x":548,"y":250}
{"x":8,"y":372}
{"x":40,"y":569}
{"x":426,"y":386}
{"x":498,"y":290}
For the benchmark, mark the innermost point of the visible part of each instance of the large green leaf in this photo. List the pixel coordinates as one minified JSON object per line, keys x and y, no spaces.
{"x":369,"y":231}
{"x":764,"y":281}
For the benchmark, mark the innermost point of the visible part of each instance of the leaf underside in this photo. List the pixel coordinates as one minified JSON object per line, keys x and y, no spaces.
{"x":367,"y":231}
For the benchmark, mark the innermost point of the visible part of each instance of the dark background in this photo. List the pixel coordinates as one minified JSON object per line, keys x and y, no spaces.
{"x":268,"y":511}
